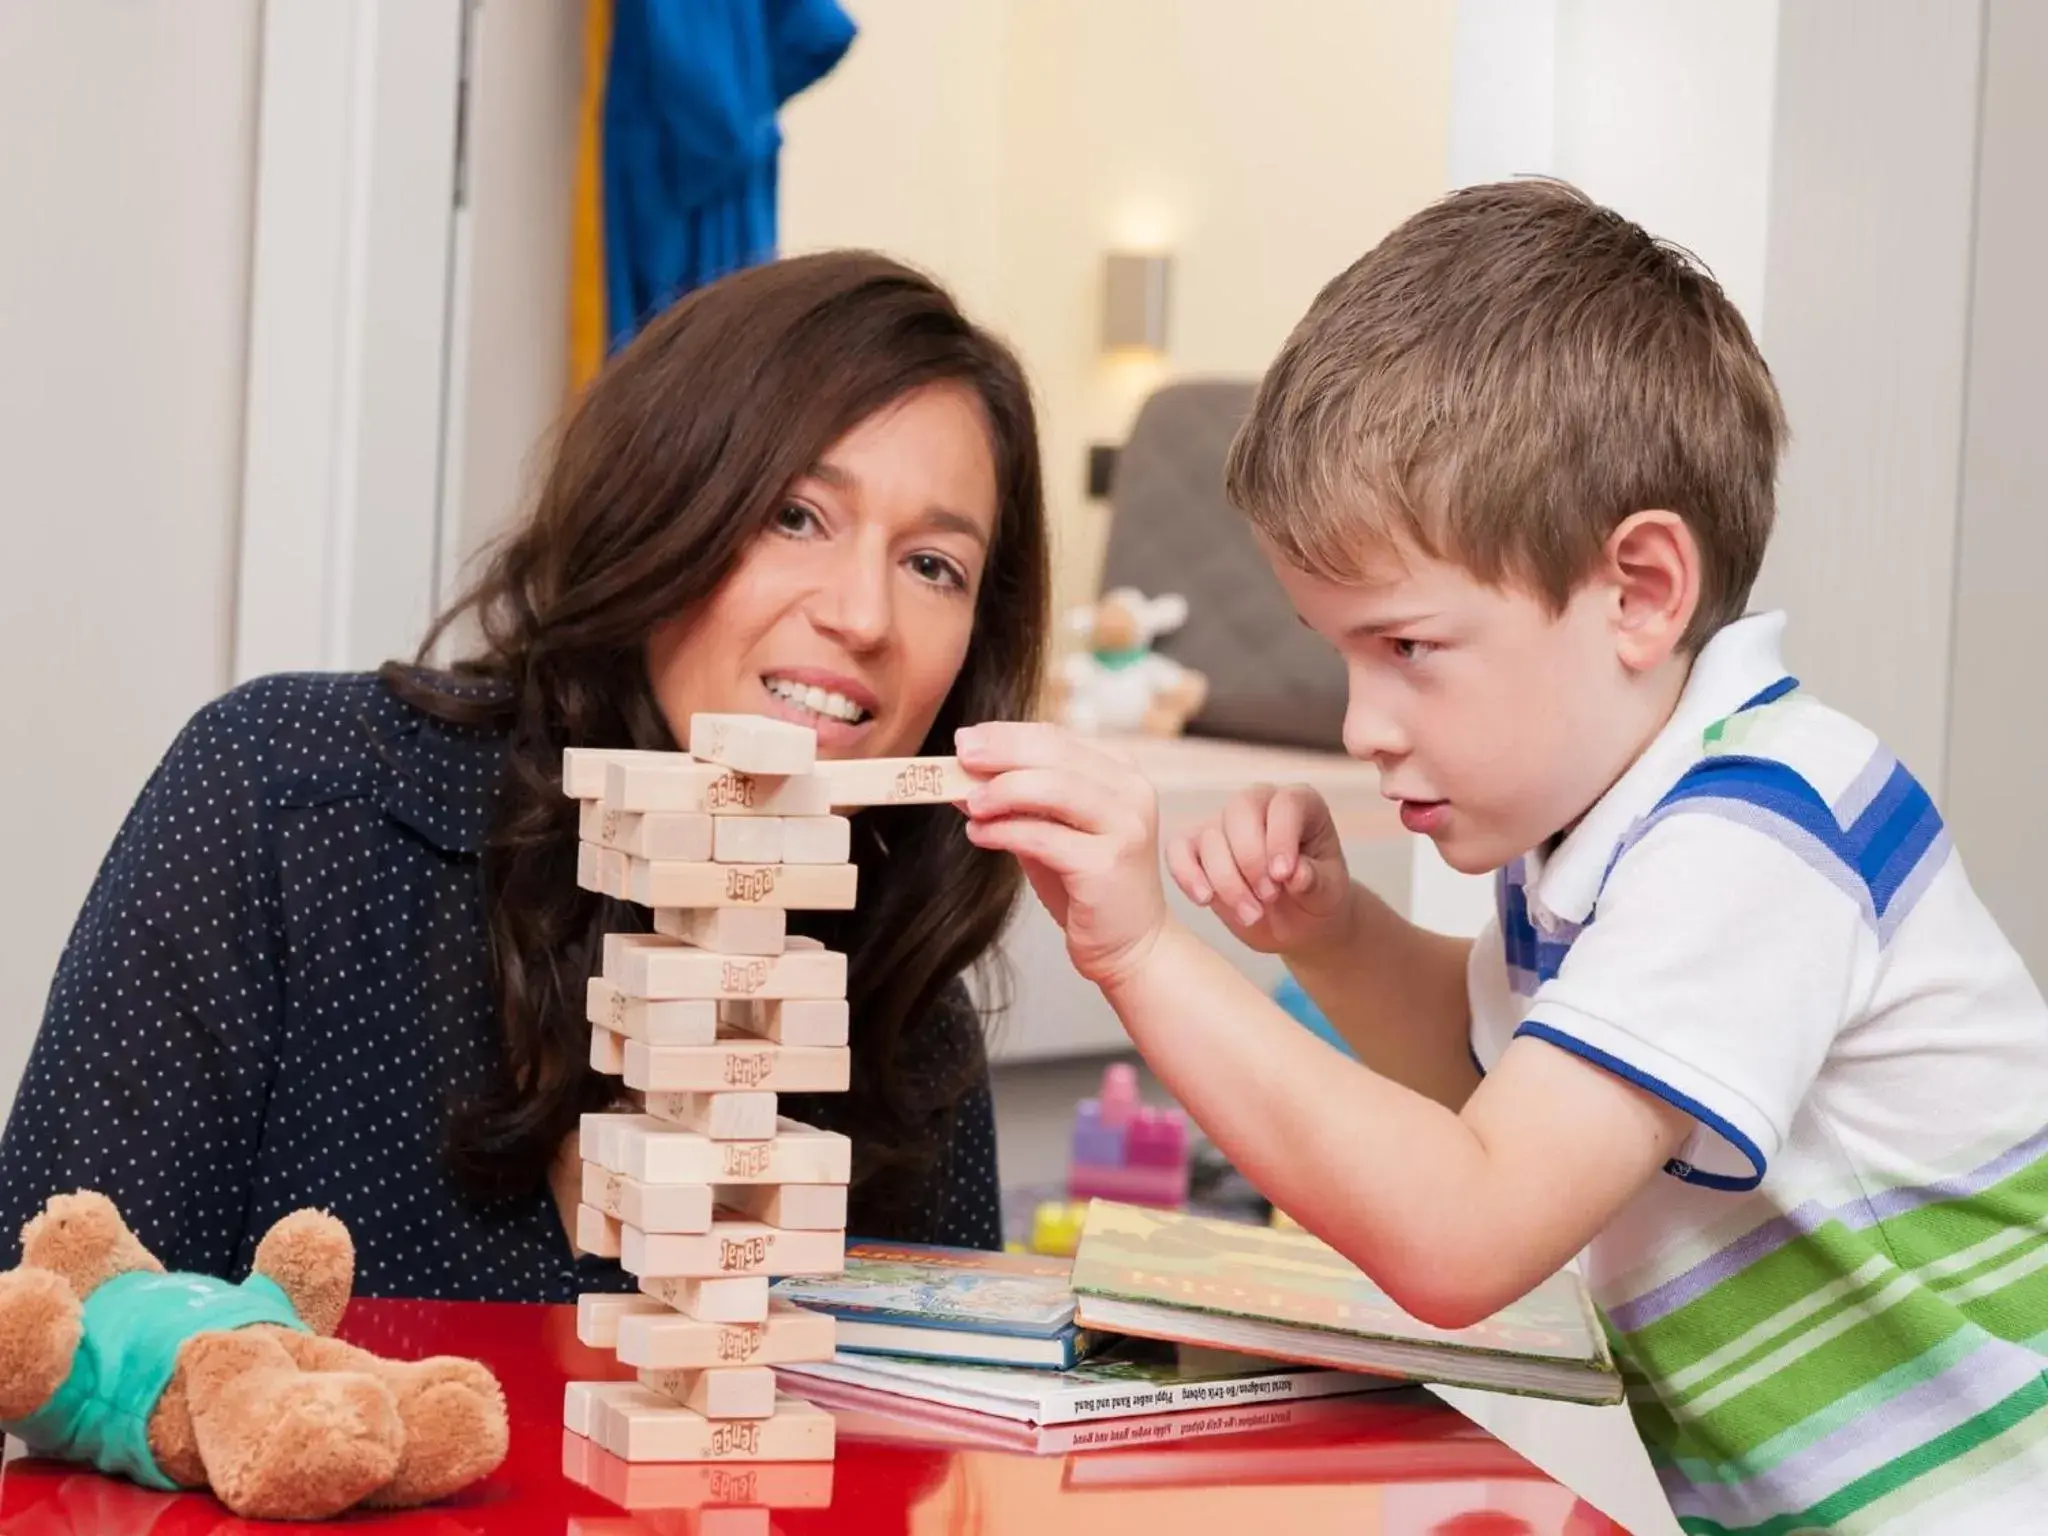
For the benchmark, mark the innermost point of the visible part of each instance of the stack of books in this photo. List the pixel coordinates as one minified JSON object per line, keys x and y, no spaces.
{"x":1158,"y":1314}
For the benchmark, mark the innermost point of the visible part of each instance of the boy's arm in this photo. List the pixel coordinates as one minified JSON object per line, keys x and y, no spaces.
{"x":1453,"y":1214}
{"x":1730,"y":948}
{"x":1396,"y":993}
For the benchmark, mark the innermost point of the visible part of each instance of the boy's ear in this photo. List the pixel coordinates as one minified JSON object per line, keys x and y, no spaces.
{"x":1653,"y":562}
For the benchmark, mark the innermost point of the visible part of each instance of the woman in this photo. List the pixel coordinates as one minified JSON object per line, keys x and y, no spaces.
{"x":337,"y":953}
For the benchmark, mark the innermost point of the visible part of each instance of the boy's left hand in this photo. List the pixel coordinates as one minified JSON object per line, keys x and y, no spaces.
{"x":1084,"y":824}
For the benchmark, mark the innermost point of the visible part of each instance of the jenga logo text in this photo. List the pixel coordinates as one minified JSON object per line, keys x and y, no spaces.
{"x":748,"y":1069}
{"x":738,"y":1344}
{"x":729,"y":791}
{"x":616,"y":1012}
{"x":916,"y":779}
{"x":742,"y":1253}
{"x":746,"y":1159}
{"x":750,"y":883}
{"x":734,"y":1487}
{"x":610,"y":830}
{"x":736,"y":1437}
{"x":743,"y":978}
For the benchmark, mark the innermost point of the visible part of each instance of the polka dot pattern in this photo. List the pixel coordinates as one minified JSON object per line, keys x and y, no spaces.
{"x":279,"y":983}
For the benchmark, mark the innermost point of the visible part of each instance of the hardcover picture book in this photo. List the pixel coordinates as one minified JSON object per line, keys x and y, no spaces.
{"x":949,"y":1303}
{"x":864,"y":1414}
{"x":1166,"y":1275}
{"x":1130,"y":1378}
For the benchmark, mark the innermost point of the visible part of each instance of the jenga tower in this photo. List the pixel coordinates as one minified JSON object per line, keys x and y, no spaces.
{"x":708,"y":1193}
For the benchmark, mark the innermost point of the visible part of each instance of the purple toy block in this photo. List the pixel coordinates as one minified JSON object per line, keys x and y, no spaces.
{"x":1094,"y":1142}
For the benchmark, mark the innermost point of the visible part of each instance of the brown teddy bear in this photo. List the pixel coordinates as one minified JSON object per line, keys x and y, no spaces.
{"x":186,"y":1381}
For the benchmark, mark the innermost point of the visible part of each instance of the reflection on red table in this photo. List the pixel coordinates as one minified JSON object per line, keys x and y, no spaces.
{"x":1388,"y":1463}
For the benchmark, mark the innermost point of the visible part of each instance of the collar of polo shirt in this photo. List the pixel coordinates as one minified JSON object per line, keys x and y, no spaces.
{"x":1739,"y":662}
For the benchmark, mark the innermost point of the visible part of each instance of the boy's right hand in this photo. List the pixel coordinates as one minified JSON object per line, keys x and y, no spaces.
{"x":1271,"y":867}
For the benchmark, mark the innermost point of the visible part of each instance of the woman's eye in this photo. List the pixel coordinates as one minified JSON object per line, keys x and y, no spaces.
{"x":939,"y":571}
{"x":795,"y":517}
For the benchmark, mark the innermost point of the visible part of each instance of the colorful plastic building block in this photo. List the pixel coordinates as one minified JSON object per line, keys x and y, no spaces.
{"x":1056,"y":1227}
{"x":1125,"y":1151}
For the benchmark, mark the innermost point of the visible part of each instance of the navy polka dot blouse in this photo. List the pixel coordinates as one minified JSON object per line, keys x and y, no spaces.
{"x":279,"y":976}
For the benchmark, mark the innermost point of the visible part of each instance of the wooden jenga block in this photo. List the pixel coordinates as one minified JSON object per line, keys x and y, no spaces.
{"x":598,"y":1234}
{"x":650,"y":1207}
{"x":748,"y":840}
{"x":672,"y":969}
{"x":753,"y":743}
{"x":584,"y":768}
{"x":646,"y":834}
{"x":816,"y":887}
{"x":658,"y":1519}
{"x":727,"y":1302}
{"x":583,"y":1401}
{"x":599,"y":1313}
{"x":644,"y":1426}
{"x":793,"y":1207}
{"x":720,"y":1392}
{"x":816,"y":840}
{"x":644,"y":1148}
{"x":730,"y":1248}
{"x":739,"y":1116}
{"x":707,"y":788}
{"x":607,"y":871}
{"x":726,"y":930}
{"x":728,"y":1065}
{"x":857,"y":781}
{"x":667,"y":1021}
{"x":601,"y":1137}
{"x":676,"y":1490}
{"x":668,"y":1339}
{"x":804,"y":1021}
{"x":607,"y":1051}
{"x":617,"y":946}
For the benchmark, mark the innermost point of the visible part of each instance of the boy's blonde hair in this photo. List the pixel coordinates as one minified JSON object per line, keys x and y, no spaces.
{"x":1500,"y":382}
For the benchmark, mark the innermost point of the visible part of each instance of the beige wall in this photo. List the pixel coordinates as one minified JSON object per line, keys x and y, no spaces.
{"x":128,"y":177}
{"x":1007,"y":146}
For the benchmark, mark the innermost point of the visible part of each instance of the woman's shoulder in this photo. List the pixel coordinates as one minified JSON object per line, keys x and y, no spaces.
{"x":299,"y":721}
{"x":313,"y":736}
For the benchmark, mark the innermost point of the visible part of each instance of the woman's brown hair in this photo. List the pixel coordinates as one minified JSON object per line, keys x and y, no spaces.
{"x":666,"y":471}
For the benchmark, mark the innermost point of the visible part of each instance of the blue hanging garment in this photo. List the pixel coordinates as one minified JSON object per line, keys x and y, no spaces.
{"x":691,"y":142}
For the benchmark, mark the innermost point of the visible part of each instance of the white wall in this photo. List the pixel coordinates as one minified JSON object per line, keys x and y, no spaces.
{"x":1659,"y":108}
{"x":130,"y":133}
{"x":1865,"y":315}
{"x":512,"y":326}
{"x":1998,"y":731}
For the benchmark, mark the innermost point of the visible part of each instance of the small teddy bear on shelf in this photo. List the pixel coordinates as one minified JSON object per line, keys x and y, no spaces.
{"x":185,"y":1381}
{"x":1119,"y":684}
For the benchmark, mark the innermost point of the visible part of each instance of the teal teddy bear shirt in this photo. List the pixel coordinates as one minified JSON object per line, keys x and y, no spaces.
{"x":135,"y":1325}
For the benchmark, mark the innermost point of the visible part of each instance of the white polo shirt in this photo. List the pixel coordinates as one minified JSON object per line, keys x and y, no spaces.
{"x":1832,"y":1311}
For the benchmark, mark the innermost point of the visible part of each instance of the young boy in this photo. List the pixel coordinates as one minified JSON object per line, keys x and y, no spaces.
{"x":1741,"y":1030}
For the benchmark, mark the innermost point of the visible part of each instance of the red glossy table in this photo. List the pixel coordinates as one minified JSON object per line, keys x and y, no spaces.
{"x":1395,"y":1463}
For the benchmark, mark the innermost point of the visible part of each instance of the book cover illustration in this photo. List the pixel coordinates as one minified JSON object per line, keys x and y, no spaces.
{"x":1169,"y":1258}
{"x":963,"y":1288}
